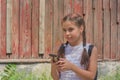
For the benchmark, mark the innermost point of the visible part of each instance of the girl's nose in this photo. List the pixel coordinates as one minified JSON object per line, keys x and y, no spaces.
{"x":67,"y":33}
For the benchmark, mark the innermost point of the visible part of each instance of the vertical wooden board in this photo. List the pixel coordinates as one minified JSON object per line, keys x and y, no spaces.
{"x":118,"y":21}
{"x":88,"y":20}
{"x":106,"y":25}
{"x":78,"y":6}
{"x":9,"y":26}
{"x":41,"y":26}
{"x":67,"y":7}
{"x":35,"y":25}
{"x":3,"y":29}
{"x":15,"y":28}
{"x":84,"y":7}
{"x":25,"y":28}
{"x":113,"y":29}
{"x":98,"y":26}
{"x":118,"y":55}
{"x":0,"y":26}
{"x":60,"y":16}
{"x":118,"y":11}
{"x":56,"y":28}
{"x":49,"y":4}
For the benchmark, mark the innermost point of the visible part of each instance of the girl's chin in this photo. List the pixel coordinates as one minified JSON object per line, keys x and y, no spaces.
{"x":70,"y":41}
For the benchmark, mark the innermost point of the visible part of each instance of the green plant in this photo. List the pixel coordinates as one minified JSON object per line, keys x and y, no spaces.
{"x":11,"y":73}
{"x":113,"y":76}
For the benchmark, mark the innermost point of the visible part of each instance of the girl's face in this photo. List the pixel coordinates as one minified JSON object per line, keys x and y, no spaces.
{"x":72,"y":33}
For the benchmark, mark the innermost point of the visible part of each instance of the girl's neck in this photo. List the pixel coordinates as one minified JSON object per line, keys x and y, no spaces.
{"x":75,"y":44}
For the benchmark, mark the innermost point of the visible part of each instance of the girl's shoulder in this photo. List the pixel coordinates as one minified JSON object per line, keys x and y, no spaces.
{"x":88,"y":45}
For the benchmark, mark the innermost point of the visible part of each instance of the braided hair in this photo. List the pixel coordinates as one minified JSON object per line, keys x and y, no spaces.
{"x":78,"y":20}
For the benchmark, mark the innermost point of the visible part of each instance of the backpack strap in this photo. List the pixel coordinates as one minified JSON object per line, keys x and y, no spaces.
{"x":90,"y":50}
{"x":89,"y":53}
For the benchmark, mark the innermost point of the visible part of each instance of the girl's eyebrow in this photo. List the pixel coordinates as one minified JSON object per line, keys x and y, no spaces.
{"x":64,"y":29}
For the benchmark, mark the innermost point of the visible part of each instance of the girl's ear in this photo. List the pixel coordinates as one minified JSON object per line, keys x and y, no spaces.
{"x":81,"y":28}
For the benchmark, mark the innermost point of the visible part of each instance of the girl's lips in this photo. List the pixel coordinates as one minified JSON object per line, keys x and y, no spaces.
{"x":68,"y":36}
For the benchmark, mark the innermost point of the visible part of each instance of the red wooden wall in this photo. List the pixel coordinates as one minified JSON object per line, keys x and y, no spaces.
{"x":29,"y":28}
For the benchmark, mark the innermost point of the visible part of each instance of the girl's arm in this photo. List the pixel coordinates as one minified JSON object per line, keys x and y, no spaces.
{"x":91,"y":72}
{"x":54,"y":71}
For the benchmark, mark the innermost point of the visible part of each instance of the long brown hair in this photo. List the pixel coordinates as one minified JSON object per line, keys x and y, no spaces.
{"x":78,"y":20}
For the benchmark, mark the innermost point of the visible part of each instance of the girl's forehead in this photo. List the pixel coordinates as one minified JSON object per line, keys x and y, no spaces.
{"x":68,"y":24}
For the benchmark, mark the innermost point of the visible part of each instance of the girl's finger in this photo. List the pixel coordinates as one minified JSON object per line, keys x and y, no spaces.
{"x":60,"y":62}
{"x":61,"y":59}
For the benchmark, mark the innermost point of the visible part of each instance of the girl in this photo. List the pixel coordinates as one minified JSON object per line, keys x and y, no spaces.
{"x":74,"y":62}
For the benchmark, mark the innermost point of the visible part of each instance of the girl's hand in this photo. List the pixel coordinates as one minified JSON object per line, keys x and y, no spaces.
{"x":63,"y":64}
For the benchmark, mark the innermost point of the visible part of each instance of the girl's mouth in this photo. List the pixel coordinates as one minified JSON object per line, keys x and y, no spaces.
{"x":68,"y":37}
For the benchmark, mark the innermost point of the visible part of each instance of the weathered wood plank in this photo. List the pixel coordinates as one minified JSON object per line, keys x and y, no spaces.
{"x":98,"y":26}
{"x":113,"y":28}
{"x":61,"y":15}
{"x":118,"y":25}
{"x":42,"y":27}
{"x":3,"y":28}
{"x":118,"y":11}
{"x":25,"y":28}
{"x":48,"y":26}
{"x":35,"y":27}
{"x":56,"y":28}
{"x":67,"y":7}
{"x":78,"y":7}
{"x":24,"y":61}
{"x":0,"y":26}
{"x":15,"y":28}
{"x":106,"y":25}
{"x":9,"y":26}
{"x":118,"y":54}
{"x":88,"y":11}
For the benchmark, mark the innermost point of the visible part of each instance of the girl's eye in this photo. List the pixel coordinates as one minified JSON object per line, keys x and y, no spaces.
{"x":70,"y":29}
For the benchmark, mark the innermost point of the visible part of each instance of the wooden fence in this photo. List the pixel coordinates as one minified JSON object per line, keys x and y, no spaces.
{"x":29,"y":28}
